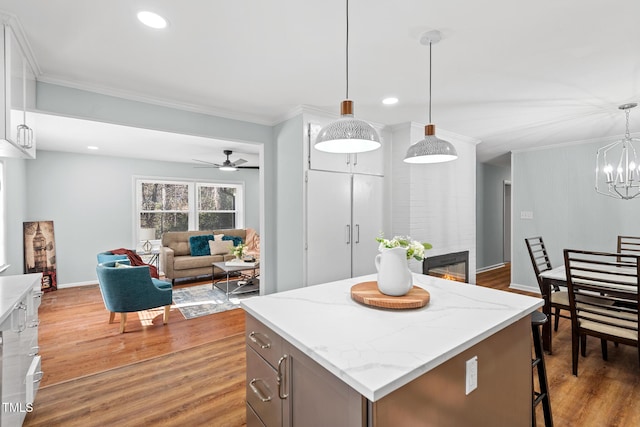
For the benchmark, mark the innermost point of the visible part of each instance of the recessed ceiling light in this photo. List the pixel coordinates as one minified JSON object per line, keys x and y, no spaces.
{"x":92,"y":147}
{"x":152,"y":20}
{"x":390,"y":101}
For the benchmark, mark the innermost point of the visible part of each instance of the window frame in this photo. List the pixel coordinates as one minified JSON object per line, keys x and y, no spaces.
{"x":193,"y":186}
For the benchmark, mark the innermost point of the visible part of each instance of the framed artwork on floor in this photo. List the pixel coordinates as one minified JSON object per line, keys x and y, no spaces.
{"x":40,"y":252}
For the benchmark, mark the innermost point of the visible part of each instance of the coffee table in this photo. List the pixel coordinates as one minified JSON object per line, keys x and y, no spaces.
{"x":250,"y":284}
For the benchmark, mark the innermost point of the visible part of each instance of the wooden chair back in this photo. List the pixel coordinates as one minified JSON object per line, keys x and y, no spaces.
{"x":629,"y":245}
{"x":539,"y":257}
{"x":603,"y":295}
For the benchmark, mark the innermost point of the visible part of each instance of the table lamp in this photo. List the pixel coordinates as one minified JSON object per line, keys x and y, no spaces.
{"x":147,"y":234}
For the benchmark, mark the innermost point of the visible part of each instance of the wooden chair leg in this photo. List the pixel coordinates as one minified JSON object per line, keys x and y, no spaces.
{"x":575,"y":340}
{"x":112,"y":316}
{"x":557,"y":320}
{"x":583,"y":344}
{"x":123,"y":321}
{"x":603,"y":344}
{"x":165,"y":317}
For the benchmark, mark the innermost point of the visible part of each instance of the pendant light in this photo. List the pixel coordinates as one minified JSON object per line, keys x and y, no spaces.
{"x":347,"y":134}
{"x":431,"y":149}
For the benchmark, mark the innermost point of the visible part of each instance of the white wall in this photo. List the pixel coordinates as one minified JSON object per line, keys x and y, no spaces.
{"x":90,"y":200}
{"x":557,"y":185}
{"x":435,"y":203}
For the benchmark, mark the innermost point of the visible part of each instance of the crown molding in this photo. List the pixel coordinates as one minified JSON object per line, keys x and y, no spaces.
{"x":134,"y":96}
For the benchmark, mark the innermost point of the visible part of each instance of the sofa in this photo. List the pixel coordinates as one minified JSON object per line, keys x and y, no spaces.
{"x":177,"y":260}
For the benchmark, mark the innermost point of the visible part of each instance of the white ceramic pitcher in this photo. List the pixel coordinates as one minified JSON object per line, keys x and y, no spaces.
{"x":394,"y":276}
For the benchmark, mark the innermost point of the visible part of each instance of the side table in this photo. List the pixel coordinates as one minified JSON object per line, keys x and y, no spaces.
{"x":246,"y":287}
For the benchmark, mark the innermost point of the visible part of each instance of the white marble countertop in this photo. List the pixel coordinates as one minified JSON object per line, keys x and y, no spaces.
{"x":13,"y":289}
{"x":378,"y":351}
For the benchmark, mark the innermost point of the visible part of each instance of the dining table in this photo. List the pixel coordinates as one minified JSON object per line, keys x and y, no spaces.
{"x":558,"y":277}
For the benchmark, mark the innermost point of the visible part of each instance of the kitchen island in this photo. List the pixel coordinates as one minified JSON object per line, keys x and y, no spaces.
{"x":316,"y":357}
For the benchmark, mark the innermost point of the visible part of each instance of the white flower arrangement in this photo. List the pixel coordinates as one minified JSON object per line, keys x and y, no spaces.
{"x":238,"y":250}
{"x":414,"y":248}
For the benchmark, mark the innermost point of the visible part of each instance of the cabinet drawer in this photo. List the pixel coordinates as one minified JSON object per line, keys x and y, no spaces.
{"x":252,"y":419}
{"x":262,"y":390}
{"x":263,"y":340}
{"x":33,"y":378}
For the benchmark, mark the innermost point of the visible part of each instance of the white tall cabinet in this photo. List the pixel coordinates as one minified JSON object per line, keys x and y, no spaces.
{"x":344,"y":212}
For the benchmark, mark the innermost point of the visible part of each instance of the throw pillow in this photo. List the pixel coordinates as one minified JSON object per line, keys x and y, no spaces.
{"x":218,"y":237}
{"x":236,"y":240}
{"x":199,"y":245}
{"x":222,"y":247}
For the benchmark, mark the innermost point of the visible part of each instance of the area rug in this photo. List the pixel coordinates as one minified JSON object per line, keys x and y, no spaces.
{"x":202,"y":300}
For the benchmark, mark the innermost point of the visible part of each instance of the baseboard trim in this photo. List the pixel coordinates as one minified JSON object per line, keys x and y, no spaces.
{"x":76,"y":284}
{"x":491,"y":267}
{"x":525,"y":288}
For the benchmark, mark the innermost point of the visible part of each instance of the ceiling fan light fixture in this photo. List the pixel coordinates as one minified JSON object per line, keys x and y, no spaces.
{"x":430,"y":149}
{"x":347,"y":134}
{"x":228,"y":168}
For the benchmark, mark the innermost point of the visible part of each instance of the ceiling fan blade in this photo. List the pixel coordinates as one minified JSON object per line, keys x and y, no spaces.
{"x":239,"y":162}
{"x":204,"y":161}
{"x":207,"y":167}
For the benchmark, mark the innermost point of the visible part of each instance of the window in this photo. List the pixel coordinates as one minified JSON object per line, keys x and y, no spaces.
{"x":187,"y":205}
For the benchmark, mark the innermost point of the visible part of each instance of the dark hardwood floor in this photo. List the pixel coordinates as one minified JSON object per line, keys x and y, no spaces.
{"x":191,"y":372}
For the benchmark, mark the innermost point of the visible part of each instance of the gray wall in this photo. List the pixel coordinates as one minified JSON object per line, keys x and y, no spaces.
{"x":489,"y":213}
{"x":14,"y":188}
{"x":91,"y":202}
{"x":93,"y":106}
{"x":289,"y":137}
{"x":557,"y":185}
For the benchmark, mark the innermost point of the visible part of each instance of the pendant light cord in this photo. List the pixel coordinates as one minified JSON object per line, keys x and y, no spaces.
{"x":430,"y":122}
{"x":347,"y":51}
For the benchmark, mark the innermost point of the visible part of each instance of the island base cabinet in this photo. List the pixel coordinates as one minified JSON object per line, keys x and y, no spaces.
{"x":317,"y":398}
{"x":438,"y":398}
{"x":299,"y":392}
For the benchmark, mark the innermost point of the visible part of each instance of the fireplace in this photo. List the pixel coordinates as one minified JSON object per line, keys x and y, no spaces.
{"x":452,"y":266}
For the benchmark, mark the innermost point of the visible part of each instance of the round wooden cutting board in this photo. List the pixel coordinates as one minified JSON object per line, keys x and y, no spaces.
{"x":367,"y":293}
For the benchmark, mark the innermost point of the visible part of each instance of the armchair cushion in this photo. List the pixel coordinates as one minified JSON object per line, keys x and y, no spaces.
{"x":131,"y":289}
{"x":199,"y":245}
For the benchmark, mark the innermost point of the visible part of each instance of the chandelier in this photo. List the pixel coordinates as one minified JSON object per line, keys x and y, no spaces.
{"x":617,"y":166}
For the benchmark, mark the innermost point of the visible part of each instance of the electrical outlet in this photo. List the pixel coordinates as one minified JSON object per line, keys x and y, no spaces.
{"x":526,"y":215}
{"x":472,"y":375}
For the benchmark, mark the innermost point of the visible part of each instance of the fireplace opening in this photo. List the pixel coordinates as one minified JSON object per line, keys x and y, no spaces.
{"x":452,"y":266}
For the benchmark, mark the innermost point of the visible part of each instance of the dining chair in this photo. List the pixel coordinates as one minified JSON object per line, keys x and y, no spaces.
{"x":540,"y":261}
{"x":629,"y":245}
{"x":603,"y":299}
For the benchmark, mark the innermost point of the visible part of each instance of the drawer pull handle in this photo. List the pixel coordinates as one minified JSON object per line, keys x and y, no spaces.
{"x":40,"y":375}
{"x":257,"y":391}
{"x":282,"y":377}
{"x":254,"y":337}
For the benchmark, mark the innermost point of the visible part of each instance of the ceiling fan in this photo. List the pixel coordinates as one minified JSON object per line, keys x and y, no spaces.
{"x":227,"y":165}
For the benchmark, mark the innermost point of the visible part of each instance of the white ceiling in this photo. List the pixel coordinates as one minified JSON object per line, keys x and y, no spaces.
{"x":513,"y":74}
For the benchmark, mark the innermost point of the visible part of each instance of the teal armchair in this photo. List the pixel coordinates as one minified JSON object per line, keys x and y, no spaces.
{"x":126,"y":289}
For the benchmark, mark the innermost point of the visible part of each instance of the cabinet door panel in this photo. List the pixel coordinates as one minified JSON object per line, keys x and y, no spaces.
{"x":319,"y":160}
{"x":371,"y":162}
{"x":328,"y":227}
{"x":367,"y":222}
